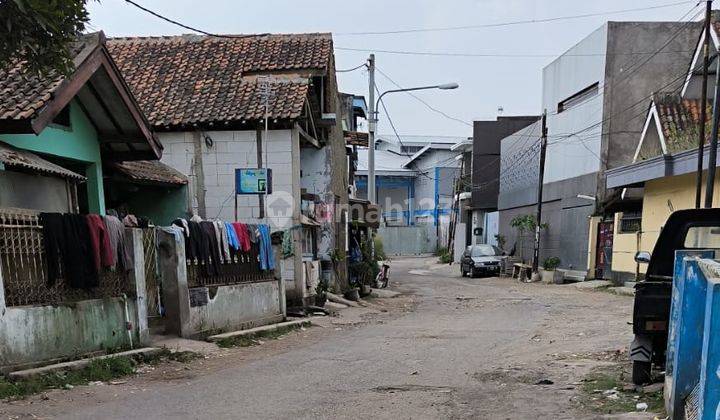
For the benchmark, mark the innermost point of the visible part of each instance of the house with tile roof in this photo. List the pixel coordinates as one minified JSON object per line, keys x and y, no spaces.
{"x":60,"y":136}
{"x":225,"y":103}
{"x":662,"y":175}
{"x":78,"y":122}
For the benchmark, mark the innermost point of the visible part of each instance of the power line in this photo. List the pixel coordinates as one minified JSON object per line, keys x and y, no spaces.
{"x":352,"y":69}
{"x":494,"y":55}
{"x":182,"y":25}
{"x":512,"y":23}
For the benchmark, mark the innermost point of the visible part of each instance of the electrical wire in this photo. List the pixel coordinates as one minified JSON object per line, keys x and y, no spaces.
{"x":352,"y":69}
{"x":493,"y":55}
{"x":182,"y":25}
{"x":422,"y":101}
{"x":512,"y":23}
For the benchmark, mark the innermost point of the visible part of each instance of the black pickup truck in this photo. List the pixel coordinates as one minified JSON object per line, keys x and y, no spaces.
{"x":695,"y":229}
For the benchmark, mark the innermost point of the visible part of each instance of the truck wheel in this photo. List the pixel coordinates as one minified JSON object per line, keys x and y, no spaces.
{"x":642,"y":372}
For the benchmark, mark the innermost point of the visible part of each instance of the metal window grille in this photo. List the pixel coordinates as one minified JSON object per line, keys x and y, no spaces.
{"x":24,"y":267}
{"x":244,"y":268}
{"x":631,"y":222}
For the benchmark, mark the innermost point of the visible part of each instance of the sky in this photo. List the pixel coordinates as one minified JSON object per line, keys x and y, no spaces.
{"x":486,"y":83}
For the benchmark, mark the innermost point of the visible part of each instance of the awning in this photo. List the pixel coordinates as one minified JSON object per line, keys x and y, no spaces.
{"x":150,"y":172}
{"x":24,"y":161}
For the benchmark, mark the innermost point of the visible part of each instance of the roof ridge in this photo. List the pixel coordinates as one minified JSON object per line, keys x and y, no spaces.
{"x":223,"y":37}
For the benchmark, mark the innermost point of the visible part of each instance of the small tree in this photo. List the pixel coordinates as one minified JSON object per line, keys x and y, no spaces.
{"x":40,"y":32}
{"x":525,"y":223}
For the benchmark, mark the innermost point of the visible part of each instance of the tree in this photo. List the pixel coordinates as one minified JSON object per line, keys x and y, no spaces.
{"x":40,"y":32}
{"x":525,"y":223}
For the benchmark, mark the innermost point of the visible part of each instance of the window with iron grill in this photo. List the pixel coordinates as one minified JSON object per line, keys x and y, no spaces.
{"x":631,"y":222}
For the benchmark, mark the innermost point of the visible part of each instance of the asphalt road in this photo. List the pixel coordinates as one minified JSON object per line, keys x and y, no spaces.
{"x":451,"y":348}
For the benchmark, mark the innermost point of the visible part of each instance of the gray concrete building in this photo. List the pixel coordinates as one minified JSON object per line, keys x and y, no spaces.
{"x":596,"y":97}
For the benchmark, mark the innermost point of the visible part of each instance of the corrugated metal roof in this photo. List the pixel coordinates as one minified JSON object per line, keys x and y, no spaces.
{"x":23,"y":160}
{"x":386,"y":162}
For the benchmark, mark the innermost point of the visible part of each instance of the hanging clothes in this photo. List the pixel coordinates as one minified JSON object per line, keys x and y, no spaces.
{"x":223,"y":240}
{"x":243,"y":236}
{"x":120,"y":249}
{"x":130,"y":221}
{"x":198,"y":245}
{"x":77,"y":254}
{"x":210,"y":229}
{"x":53,"y":242}
{"x":100,"y":241}
{"x":267,"y":258}
{"x":254,"y":232}
{"x":68,"y":249}
{"x":233,"y":241}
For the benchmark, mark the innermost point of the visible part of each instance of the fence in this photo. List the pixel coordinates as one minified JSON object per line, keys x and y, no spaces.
{"x":408,"y":240}
{"x":239,"y":296}
{"x":23,"y":267}
{"x":244,"y":268}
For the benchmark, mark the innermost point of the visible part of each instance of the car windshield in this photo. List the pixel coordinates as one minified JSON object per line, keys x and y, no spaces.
{"x":483,"y":251}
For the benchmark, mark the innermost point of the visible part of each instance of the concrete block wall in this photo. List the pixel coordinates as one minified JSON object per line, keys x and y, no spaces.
{"x":231,"y":307}
{"x":238,"y":149}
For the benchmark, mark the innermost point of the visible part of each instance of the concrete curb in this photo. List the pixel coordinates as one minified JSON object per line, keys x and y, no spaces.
{"x":79,"y":364}
{"x":339,"y":299}
{"x":622,"y":291}
{"x":251,"y":331}
{"x":592,"y":285}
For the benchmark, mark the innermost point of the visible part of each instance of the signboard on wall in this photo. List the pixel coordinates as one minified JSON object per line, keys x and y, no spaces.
{"x":253,"y":181}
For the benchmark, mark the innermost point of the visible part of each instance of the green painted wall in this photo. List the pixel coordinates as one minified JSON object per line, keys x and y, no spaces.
{"x":30,"y":334}
{"x":162,"y":205}
{"x":79,"y":143}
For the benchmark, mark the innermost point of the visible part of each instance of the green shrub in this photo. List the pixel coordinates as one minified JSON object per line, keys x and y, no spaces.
{"x":551,"y":263}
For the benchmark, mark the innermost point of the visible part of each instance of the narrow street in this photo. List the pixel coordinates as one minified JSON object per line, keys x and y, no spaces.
{"x":448,"y":347}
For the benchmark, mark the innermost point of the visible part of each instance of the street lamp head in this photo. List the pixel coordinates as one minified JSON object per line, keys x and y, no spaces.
{"x":447,"y":86}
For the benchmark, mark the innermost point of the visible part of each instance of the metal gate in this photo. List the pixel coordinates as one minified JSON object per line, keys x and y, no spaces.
{"x":152,"y":274}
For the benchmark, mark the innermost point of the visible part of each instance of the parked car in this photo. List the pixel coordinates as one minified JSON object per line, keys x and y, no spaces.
{"x":481,"y":260}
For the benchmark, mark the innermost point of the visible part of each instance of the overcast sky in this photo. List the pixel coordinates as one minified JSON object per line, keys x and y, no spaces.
{"x":486,"y":83}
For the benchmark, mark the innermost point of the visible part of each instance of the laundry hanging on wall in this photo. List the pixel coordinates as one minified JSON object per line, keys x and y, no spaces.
{"x":215,"y":242}
{"x":79,"y":247}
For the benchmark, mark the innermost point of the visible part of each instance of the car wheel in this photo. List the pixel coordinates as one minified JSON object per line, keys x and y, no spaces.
{"x":642,"y":372}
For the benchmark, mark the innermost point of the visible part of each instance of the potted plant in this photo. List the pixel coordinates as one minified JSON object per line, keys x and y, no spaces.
{"x":549,"y":271}
{"x":321,"y":293}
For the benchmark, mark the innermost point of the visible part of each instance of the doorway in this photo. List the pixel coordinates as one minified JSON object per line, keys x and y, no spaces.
{"x":603,"y":264}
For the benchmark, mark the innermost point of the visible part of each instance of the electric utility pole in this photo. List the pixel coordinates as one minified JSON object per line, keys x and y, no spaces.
{"x":703,"y":103}
{"x":371,"y":131}
{"x":712,"y":155}
{"x":541,"y":175}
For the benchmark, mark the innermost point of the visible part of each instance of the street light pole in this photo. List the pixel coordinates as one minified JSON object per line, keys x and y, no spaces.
{"x":374,"y":105}
{"x":371,"y":131}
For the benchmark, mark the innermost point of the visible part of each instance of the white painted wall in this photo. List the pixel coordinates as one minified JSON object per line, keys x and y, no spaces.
{"x":580,"y":67}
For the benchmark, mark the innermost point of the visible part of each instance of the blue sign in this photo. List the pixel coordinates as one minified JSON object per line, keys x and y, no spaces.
{"x":253,"y":181}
